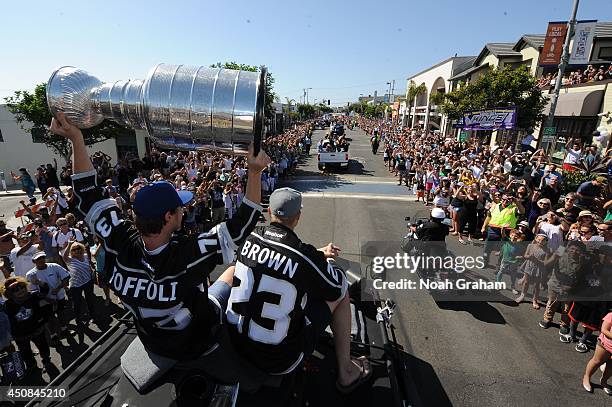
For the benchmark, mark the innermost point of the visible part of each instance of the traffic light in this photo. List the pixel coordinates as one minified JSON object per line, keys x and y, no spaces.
{"x":328,"y":102}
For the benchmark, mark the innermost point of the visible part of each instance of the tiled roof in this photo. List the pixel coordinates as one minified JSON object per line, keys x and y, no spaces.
{"x":502,"y":49}
{"x":534,"y":40}
{"x":466,"y":64}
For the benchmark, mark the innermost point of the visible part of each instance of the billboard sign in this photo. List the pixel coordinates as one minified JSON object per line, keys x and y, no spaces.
{"x":491,"y":119}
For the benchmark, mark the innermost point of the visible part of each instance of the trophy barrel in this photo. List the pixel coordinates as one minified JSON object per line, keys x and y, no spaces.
{"x":183,"y":107}
{"x":204,"y":108}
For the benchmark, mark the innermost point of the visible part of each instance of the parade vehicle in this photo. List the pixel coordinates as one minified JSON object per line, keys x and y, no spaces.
{"x":337,"y":130}
{"x":321,"y":124}
{"x":328,"y":160}
{"x":97,"y":377}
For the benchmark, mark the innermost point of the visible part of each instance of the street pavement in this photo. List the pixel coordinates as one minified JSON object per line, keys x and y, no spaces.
{"x":459,"y":353}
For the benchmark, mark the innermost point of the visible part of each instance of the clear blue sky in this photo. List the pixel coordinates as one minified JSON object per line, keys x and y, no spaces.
{"x":339,"y":48}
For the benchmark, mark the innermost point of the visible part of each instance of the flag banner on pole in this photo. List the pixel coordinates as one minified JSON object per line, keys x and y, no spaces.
{"x":19,"y":213}
{"x":582,"y":42}
{"x":553,"y":43}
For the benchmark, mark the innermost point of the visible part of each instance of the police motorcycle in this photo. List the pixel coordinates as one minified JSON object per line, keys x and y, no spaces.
{"x":117,"y":371}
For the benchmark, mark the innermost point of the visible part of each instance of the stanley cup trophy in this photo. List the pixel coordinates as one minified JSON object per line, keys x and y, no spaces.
{"x":181,"y":107}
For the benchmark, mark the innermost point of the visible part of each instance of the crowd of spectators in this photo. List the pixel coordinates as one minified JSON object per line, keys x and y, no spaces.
{"x":548,"y":238}
{"x":578,"y":76}
{"x":53,"y":260}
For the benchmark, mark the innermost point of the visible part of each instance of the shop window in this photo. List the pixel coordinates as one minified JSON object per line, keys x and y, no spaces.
{"x":605,"y":53}
{"x":580,"y":128}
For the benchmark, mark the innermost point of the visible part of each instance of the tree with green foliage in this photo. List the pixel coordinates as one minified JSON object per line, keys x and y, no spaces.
{"x":500,"y":88}
{"x":32,"y":113}
{"x":359,"y":107}
{"x":412,"y":94}
{"x":437,"y":98}
{"x":323,"y":108}
{"x":270,"y":95}
{"x":306,"y":111}
{"x":375,"y":110}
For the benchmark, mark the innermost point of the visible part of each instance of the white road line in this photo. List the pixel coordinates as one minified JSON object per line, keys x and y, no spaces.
{"x":405,"y":198}
{"x":322,"y":180}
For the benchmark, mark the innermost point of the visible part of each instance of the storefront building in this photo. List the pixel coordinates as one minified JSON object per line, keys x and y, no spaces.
{"x":422,"y":111}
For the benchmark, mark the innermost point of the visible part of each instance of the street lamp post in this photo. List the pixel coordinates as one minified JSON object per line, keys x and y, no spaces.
{"x":307,"y":89}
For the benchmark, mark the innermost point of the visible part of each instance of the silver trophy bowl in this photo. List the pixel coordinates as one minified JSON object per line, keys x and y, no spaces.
{"x":180,"y":107}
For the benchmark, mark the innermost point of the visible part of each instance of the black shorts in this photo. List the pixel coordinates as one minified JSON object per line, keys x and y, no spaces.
{"x":318,"y":317}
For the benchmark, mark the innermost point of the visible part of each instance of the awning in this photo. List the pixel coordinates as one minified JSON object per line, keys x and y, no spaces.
{"x":578,"y":103}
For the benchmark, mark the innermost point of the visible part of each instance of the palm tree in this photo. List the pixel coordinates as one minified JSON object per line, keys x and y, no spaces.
{"x":289,"y":102}
{"x":412,"y":93}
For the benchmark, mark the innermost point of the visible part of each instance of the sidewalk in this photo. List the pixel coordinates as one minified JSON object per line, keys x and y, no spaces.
{"x":16,"y":191}
{"x":9,"y":206}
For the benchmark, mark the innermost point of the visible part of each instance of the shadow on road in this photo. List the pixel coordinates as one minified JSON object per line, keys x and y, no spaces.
{"x":426,"y":384}
{"x":482,"y":311}
{"x":357,"y":168}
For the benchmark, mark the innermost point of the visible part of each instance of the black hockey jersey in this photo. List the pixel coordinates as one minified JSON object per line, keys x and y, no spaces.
{"x":164,"y":289}
{"x":276,"y":276}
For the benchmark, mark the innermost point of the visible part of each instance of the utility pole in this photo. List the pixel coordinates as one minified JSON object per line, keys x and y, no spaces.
{"x":392,"y":88}
{"x":307,"y":89}
{"x":564,"y":59}
{"x":304,"y":96}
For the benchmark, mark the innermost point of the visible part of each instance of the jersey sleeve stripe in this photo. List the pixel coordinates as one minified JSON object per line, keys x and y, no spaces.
{"x":83,"y":175}
{"x":252,"y":204}
{"x":201,"y":259}
{"x":325,"y":277}
{"x":226,"y":243}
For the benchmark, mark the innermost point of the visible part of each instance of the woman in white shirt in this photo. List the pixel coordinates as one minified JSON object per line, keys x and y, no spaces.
{"x":81,"y":279}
